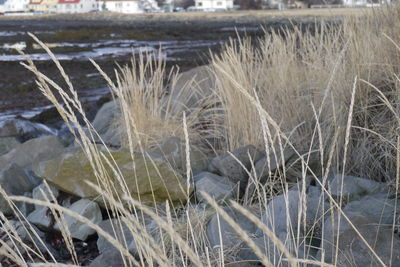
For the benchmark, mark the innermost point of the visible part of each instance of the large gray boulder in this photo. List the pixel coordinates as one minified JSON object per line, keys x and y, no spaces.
{"x":270,"y":163}
{"x":15,"y":181}
{"x":236,"y":165}
{"x":351,"y":250}
{"x":120,"y":231}
{"x":24,"y":130}
{"x":85,"y":208}
{"x":25,"y":208}
{"x":284,"y":212}
{"x":173,"y":151}
{"x":109,"y":258}
{"x":42,"y":218}
{"x":379,"y":208}
{"x":147,"y":179}
{"x":229,"y":236}
{"x":353,"y":188}
{"x":296,"y":220}
{"x":109,"y":125}
{"x":7,"y":144}
{"x":219,"y":188}
{"x":191,"y":89}
{"x":45,"y":192}
{"x":32,"y":152}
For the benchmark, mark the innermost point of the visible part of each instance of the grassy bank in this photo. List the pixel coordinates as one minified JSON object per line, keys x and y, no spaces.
{"x":331,"y":95}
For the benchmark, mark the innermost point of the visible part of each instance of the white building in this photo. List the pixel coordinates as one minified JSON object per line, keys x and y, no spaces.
{"x":76,"y":6}
{"x":213,"y":4}
{"x":1,"y":6}
{"x":355,"y":2}
{"x":368,"y":3}
{"x":16,"y":5}
{"x":127,"y":6}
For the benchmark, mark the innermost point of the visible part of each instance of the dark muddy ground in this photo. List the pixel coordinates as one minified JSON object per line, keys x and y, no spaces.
{"x":184,"y":43}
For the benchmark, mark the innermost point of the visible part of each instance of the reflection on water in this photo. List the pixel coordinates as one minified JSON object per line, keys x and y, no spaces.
{"x":84,"y":96}
{"x":105,"y":49}
{"x":76,"y":49}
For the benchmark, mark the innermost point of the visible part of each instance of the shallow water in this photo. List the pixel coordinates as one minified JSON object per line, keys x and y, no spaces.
{"x":74,"y":43}
{"x":84,"y":96}
{"x":106,"y":49}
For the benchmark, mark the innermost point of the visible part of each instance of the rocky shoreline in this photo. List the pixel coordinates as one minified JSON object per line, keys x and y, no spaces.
{"x":48,"y":165}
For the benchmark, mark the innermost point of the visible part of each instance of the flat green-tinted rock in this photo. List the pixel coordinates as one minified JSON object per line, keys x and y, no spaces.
{"x":147,"y":179}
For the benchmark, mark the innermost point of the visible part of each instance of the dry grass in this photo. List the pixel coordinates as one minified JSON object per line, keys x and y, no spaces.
{"x":152,"y":107}
{"x":303,"y":81}
{"x":334,"y":91}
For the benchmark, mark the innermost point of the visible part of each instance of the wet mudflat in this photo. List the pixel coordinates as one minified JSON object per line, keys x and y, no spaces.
{"x":110,"y":40}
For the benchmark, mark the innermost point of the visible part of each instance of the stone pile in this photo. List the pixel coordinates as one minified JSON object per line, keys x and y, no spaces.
{"x":36,"y":163}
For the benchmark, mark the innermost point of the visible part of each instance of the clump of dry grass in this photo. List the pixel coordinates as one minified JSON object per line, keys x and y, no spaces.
{"x":152,"y":106}
{"x":303,"y":80}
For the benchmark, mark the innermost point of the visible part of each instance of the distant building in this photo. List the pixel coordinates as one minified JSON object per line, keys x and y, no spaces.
{"x":76,"y":6}
{"x":213,"y":4}
{"x":367,"y":3}
{"x":16,"y":5}
{"x":127,"y":6}
{"x":354,"y":2}
{"x":2,"y":6}
{"x":45,"y":6}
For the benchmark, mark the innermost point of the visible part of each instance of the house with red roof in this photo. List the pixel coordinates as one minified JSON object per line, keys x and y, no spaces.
{"x":45,"y":6}
{"x":76,"y":6}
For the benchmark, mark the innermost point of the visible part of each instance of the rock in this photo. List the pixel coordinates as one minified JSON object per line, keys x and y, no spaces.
{"x":24,"y":207}
{"x":33,"y":151}
{"x":7,"y":144}
{"x":217,"y":187}
{"x":65,"y":134}
{"x":268,"y":164}
{"x":378,"y":208}
{"x":22,"y":229}
{"x":15,"y":181}
{"x":229,"y":236}
{"x":24,"y":130}
{"x":297,"y":224}
{"x":144,"y":177}
{"x":29,"y":234}
{"x":289,"y":208}
{"x":173,"y":151}
{"x":122,"y":234}
{"x":190,"y":89}
{"x":109,"y":258}
{"x":228,"y":165}
{"x":304,"y":249}
{"x":351,"y":249}
{"x":41,"y":192}
{"x":48,"y":116}
{"x":42,"y":218}
{"x":354,"y":187}
{"x":296,"y":220}
{"x":245,"y":253}
{"x":242,"y":263}
{"x":78,"y":229}
{"x":108,"y":124}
